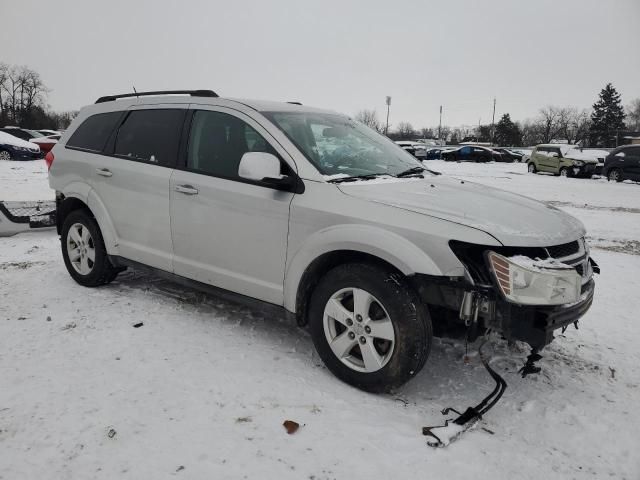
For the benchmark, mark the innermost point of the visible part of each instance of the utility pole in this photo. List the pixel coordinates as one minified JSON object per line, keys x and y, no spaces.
{"x":493,"y":119}
{"x":386,"y":129}
{"x":440,"y":125}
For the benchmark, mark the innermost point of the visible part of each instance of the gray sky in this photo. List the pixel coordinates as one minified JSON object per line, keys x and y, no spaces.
{"x":344,"y":55}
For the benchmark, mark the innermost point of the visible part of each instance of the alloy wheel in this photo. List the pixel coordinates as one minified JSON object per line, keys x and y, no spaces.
{"x":81,"y":249}
{"x":359,"y":330}
{"x":614,"y":175}
{"x":4,"y":155}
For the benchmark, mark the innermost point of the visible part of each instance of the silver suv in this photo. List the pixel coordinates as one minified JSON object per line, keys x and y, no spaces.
{"x":308,"y":211}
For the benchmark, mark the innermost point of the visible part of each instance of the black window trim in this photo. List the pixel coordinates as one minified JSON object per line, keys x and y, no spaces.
{"x":90,"y":150}
{"x":181,"y":165}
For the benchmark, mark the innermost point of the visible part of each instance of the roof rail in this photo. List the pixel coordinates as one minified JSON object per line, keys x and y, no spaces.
{"x":193,"y":93}
{"x":295,"y":103}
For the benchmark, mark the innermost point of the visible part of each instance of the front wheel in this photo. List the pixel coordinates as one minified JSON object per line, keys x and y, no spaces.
{"x":5,"y":155}
{"x":564,"y":172}
{"x":369,"y":327}
{"x":531,"y":168}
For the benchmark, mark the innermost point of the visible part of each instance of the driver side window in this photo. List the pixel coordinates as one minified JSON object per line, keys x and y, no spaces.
{"x":218,"y":141}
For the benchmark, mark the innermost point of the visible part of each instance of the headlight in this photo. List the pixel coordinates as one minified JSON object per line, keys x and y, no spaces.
{"x":21,"y":149}
{"x":529,"y":282}
{"x":578,"y":163}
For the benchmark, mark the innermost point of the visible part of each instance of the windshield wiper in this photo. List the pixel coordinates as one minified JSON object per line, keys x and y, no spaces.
{"x":411,"y":171}
{"x":355,"y":178}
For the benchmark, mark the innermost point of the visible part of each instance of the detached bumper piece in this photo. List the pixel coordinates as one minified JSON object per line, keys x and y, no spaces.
{"x":17,"y":217}
{"x":441,"y":436}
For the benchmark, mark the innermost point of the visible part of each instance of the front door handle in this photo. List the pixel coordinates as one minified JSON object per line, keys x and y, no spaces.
{"x":186,"y":189}
{"x":104,"y":172}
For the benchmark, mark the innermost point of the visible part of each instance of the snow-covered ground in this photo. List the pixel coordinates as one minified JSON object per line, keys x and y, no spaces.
{"x":202,"y":388}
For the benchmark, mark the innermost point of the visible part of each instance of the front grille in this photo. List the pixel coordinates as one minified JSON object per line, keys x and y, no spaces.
{"x":565,"y":250}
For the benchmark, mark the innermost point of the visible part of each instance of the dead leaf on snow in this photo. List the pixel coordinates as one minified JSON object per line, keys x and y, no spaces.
{"x":291,"y":426}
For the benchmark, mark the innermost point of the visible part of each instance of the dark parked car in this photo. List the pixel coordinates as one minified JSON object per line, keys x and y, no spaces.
{"x":472,"y":153}
{"x":32,"y":136}
{"x":13,"y":148}
{"x":509,"y":155}
{"x":434,"y":154}
{"x":623,"y":163}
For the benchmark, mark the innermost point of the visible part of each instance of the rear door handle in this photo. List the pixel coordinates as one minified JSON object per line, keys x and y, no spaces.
{"x":104,"y":172}
{"x":186,"y":189}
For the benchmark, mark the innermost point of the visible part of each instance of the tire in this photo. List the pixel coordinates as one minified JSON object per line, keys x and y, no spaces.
{"x":614,"y":175}
{"x":531,"y":168}
{"x":395,"y":311}
{"x":81,"y":235}
{"x":5,"y":155}
{"x":564,"y":172}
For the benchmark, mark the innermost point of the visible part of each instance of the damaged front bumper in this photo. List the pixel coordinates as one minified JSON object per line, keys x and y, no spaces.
{"x":505,"y":302}
{"x":536,"y":325}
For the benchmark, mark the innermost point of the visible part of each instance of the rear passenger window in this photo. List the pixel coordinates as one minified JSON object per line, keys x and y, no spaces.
{"x":94,"y":132}
{"x":150,"y":136}
{"x":218,"y":141}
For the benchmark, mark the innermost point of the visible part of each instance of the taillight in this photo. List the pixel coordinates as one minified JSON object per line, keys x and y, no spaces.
{"x":48,"y":158}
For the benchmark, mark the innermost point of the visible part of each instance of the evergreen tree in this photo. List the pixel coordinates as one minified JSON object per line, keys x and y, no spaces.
{"x":607,"y":119}
{"x":507,"y":134}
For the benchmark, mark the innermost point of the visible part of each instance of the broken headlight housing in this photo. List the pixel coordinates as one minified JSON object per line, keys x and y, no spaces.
{"x":525,"y":281}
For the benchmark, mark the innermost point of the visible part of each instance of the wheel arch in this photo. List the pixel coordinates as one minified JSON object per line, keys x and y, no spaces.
{"x":338,"y":245}
{"x":86,"y":199}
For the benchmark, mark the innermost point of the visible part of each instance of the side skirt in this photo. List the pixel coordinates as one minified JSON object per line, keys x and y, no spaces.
{"x":249,"y":302}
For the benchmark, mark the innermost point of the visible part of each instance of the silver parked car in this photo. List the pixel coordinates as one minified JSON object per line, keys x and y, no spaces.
{"x":310,"y":212}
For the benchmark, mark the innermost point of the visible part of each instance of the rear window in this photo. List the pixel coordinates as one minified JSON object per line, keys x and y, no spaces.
{"x":94,"y":132}
{"x":150,"y":136}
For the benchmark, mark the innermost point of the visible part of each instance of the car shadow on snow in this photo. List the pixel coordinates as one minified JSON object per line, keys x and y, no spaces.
{"x":452,"y":377}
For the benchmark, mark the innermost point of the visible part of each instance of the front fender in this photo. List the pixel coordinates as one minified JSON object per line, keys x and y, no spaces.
{"x":386,"y":245}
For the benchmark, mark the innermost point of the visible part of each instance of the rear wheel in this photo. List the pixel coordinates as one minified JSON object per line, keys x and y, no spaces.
{"x":369,"y":327}
{"x":84,"y":252}
{"x":532,"y":168}
{"x":614,"y":175}
{"x":5,"y":155}
{"x":564,"y":172}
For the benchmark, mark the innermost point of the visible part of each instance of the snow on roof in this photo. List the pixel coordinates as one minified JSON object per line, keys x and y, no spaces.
{"x":8,"y":139}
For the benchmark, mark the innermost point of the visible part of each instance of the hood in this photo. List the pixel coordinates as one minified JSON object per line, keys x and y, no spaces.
{"x":512,"y":219}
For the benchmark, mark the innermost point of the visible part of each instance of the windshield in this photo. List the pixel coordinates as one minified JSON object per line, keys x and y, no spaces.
{"x":341,"y":147}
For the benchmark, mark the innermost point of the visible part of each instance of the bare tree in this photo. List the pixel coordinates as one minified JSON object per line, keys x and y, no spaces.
{"x":21,"y":91}
{"x":575,"y":124}
{"x":405,"y":131}
{"x":427,"y":133}
{"x":370,"y":119}
{"x":550,"y":122}
{"x":633,"y":115}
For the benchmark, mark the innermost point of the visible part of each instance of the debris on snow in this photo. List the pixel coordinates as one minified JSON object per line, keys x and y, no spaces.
{"x":291,"y":426}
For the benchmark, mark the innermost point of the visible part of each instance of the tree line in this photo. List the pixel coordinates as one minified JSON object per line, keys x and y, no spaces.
{"x":604,"y":125}
{"x":23,"y":100}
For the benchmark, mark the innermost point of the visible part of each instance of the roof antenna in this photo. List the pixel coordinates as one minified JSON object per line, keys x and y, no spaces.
{"x":134,"y":90}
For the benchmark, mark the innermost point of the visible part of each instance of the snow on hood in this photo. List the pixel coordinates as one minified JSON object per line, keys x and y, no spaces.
{"x":585,"y":155}
{"x":7,"y":139}
{"x":512,"y":219}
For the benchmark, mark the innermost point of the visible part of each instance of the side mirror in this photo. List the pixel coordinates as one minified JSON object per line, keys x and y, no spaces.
{"x":263,"y":167}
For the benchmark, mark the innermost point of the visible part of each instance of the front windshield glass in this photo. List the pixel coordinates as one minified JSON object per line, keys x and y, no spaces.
{"x":341,"y":147}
